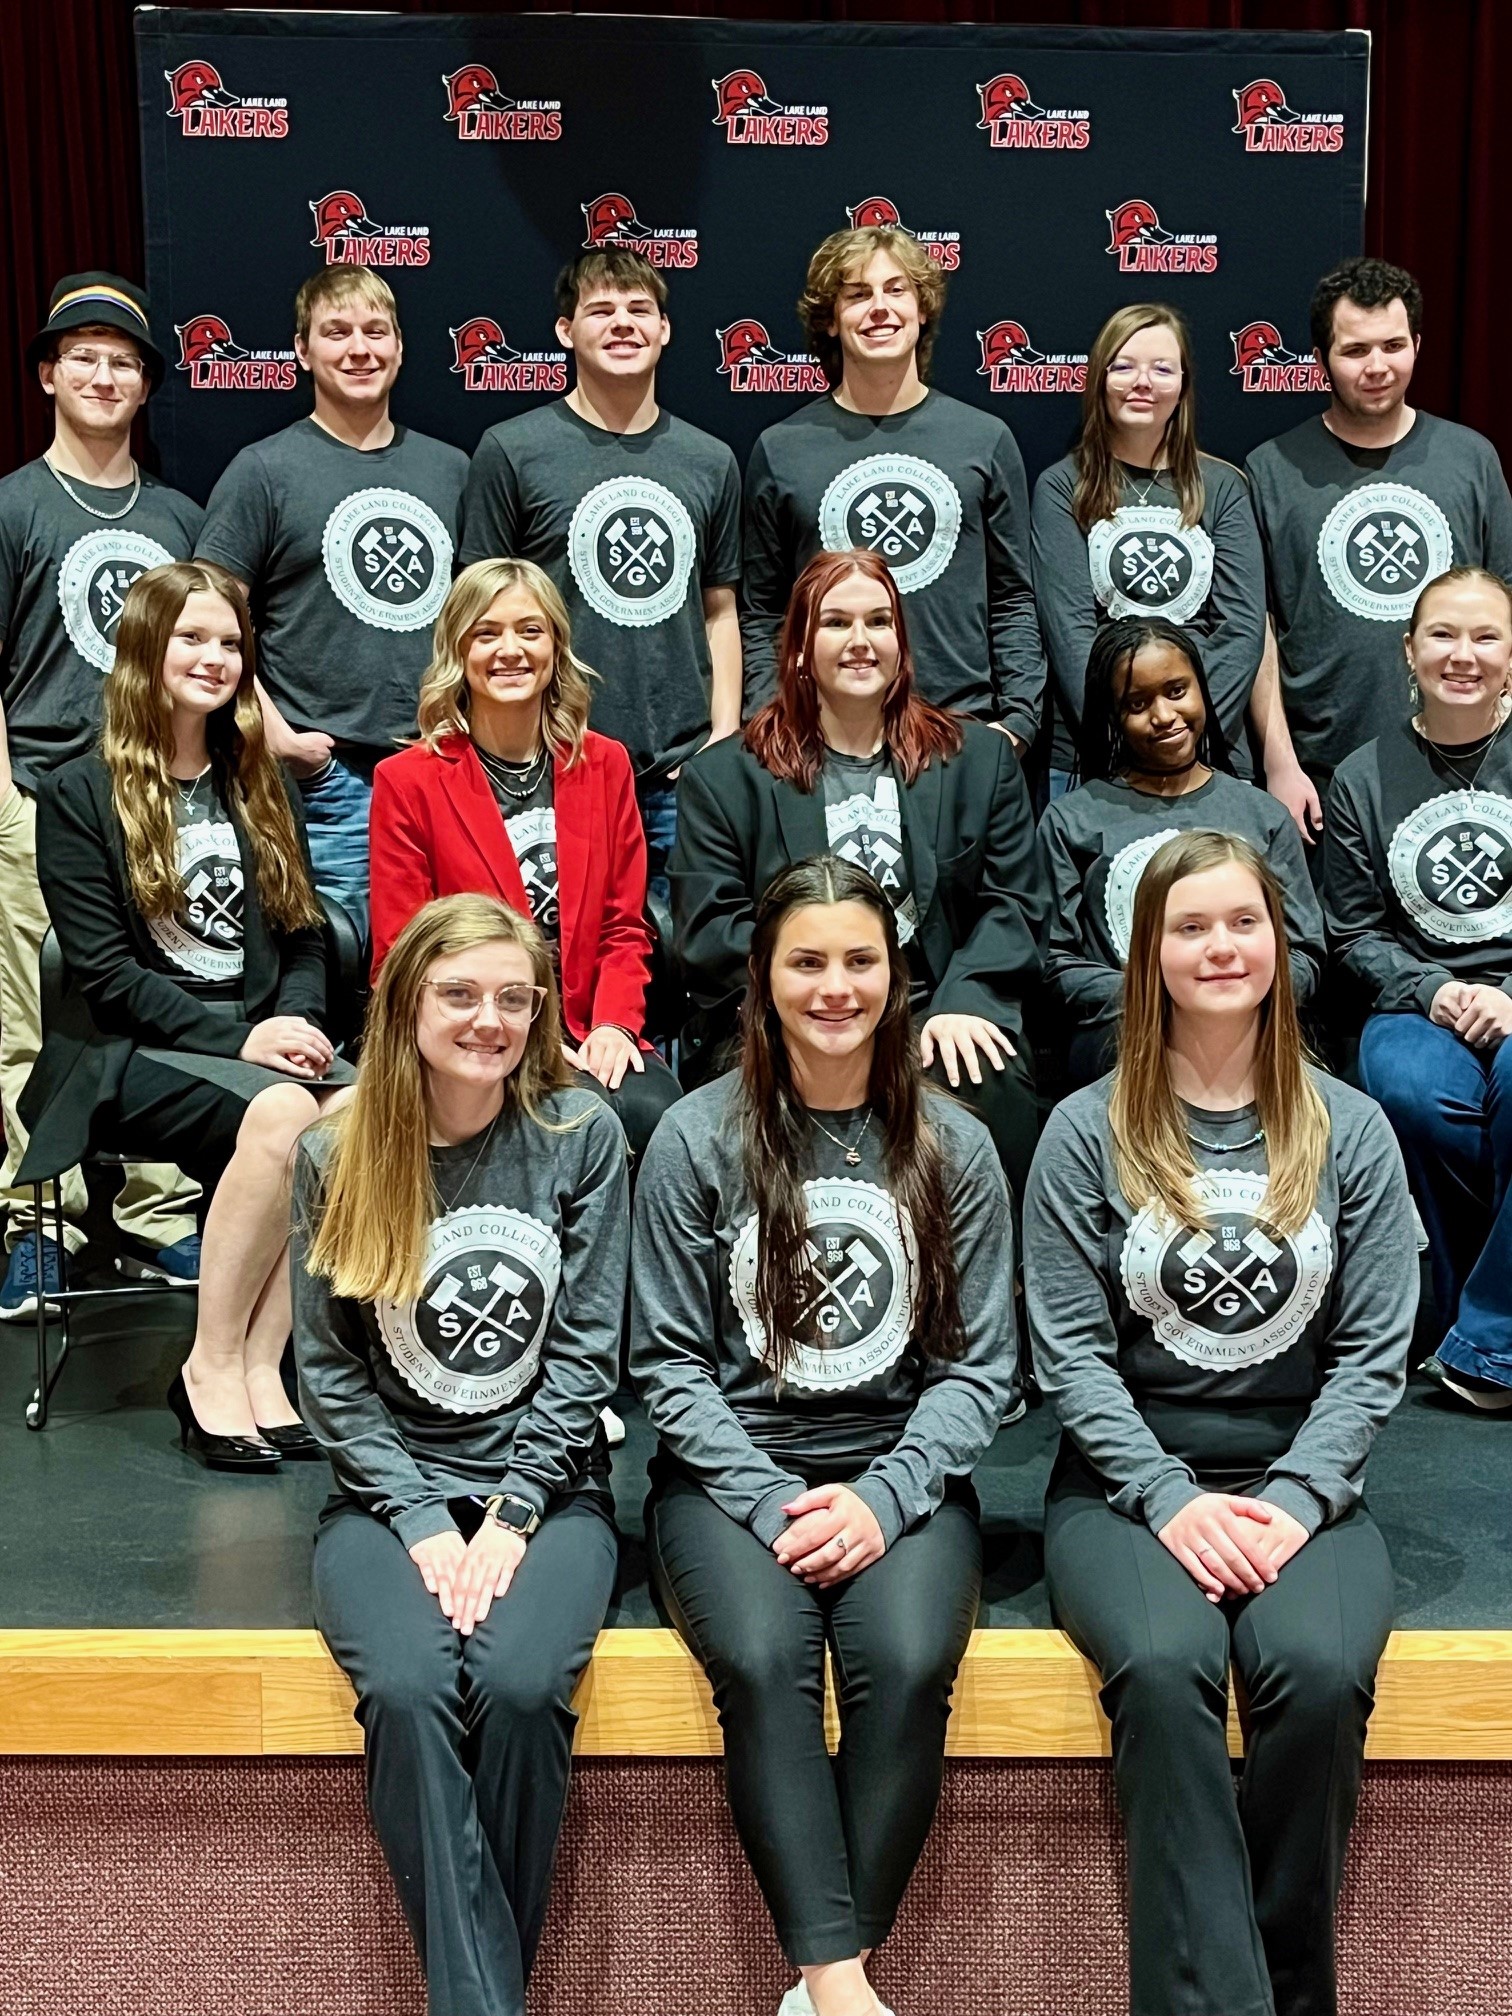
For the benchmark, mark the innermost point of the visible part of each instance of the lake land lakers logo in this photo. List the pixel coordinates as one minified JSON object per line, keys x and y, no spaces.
{"x":1450,"y":863}
{"x":93,"y":582}
{"x":1232,"y":1294}
{"x":471,"y":1339}
{"x":207,"y":939}
{"x":1379,"y":545}
{"x":1144,"y":561}
{"x":901,"y":507}
{"x":860,"y":1272}
{"x":631,"y":546}
{"x":1122,"y":885}
{"x":388,"y":558}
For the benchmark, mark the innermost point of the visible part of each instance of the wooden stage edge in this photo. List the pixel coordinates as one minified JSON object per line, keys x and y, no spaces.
{"x":1441,"y":1695}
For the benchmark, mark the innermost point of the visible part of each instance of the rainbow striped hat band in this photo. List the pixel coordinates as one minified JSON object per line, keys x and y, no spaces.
{"x":88,"y":300}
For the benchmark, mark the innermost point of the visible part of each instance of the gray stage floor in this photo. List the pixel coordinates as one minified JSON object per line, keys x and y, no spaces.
{"x":105,"y":1523}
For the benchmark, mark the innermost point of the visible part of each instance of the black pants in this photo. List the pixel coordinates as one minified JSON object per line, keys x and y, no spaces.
{"x":641,"y":1100}
{"x":832,"y":1842}
{"x":1007,"y":1105}
{"x":164,"y":1114}
{"x":1232,"y":1903}
{"x":469,"y":1740}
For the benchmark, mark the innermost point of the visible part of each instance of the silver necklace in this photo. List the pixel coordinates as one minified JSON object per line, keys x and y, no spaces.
{"x":450,"y":1203}
{"x":109,"y":516}
{"x":501,"y":771}
{"x":1480,"y":750}
{"x":852,"y":1148}
{"x":186,"y":791}
{"x":1227,"y":1147}
{"x":1144,"y":495}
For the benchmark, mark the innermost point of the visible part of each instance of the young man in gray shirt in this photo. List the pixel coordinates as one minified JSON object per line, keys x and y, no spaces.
{"x":934,"y":486}
{"x":1359,"y":508}
{"x":635,"y":515}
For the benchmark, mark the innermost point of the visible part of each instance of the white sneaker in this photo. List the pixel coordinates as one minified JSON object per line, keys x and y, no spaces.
{"x":614,"y":1428}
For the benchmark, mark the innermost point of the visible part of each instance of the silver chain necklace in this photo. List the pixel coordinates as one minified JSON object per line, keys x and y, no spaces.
{"x":500,"y":771}
{"x":187,"y":791}
{"x":1144,"y":495}
{"x":1227,"y":1147}
{"x":450,"y":1203}
{"x":109,"y":516}
{"x":852,"y":1148}
{"x":1480,"y":750}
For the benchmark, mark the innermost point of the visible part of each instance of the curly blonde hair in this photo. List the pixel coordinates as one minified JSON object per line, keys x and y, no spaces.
{"x":840,"y":258}
{"x":444,"y":694}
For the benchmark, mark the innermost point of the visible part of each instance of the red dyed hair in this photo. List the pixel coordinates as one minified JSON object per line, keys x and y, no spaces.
{"x":785,"y":737}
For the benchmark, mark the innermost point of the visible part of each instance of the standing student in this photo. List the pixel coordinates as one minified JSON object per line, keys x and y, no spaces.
{"x":77,"y":527}
{"x":177,"y":880}
{"x":936,"y":488}
{"x":509,"y":792}
{"x":823,"y":1336}
{"x":1418,"y":881}
{"x":1135,"y":521}
{"x":460,"y":1238}
{"x":1359,"y":508}
{"x":1153,"y":764}
{"x":635,"y":515}
{"x":1220,"y":1280}
{"x":342,"y":528}
{"x":848,"y":760}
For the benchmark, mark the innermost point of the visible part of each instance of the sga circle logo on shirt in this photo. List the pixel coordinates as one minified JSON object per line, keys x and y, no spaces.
{"x":867,"y":828}
{"x":388,"y":558}
{"x":860,"y":1275}
{"x":1232,"y":1294}
{"x":631,"y":547}
{"x":1122,"y":886}
{"x":207,"y":940}
{"x":1450,"y":863}
{"x":1144,"y":562}
{"x":93,"y":581}
{"x":901,"y":507}
{"x":1379,"y":545}
{"x":470,"y":1342}
{"x":533,"y":836}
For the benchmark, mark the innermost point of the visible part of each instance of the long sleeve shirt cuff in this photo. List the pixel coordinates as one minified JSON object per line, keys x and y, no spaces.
{"x":1166,"y":1496}
{"x":767,"y":1519}
{"x":1294,"y":1497}
{"x":517,"y":1485}
{"x":423,"y":1522}
{"x":1429,"y":985}
{"x":878,"y":1494}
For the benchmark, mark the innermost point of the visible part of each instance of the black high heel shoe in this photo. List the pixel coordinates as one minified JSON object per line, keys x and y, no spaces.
{"x":216,"y":1452}
{"x":293,"y":1442}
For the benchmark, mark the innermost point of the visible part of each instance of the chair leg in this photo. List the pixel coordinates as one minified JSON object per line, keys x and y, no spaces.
{"x":47,"y":1376}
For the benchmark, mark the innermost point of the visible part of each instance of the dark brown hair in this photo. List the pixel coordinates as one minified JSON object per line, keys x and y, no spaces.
{"x":775,"y":1129}
{"x":611,"y":266}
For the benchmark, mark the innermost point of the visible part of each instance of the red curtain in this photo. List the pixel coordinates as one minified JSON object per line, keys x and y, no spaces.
{"x":1441,"y":76}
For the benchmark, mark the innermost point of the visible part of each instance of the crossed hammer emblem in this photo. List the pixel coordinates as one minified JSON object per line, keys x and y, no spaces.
{"x":632,"y":559}
{"x":1150,"y":570}
{"x":399,"y":555}
{"x":905,"y":525}
{"x":450,"y":1293}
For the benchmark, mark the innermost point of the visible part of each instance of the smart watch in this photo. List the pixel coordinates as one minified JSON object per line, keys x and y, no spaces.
{"x":517,"y":1515}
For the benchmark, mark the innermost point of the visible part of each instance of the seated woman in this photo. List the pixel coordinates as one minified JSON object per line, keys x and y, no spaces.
{"x":848,"y":759}
{"x":511,"y":794}
{"x":1153,"y":764}
{"x":1220,"y":1280}
{"x":1136,"y":521}
{"x":461,"y":1241}
{"x":823,"y":1336}
{"x":176,"y":876}
{"x":1418,"y":890}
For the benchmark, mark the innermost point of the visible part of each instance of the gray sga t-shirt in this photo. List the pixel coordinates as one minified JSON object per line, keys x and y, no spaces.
{"x":632,"y":528}
{"x":64,"y":576}
{"x":348,"y":553}
{"x":525,"y":797}
{"x":863,"y":822}
{"x":202,"y":947}
{"x":1352,"y":536}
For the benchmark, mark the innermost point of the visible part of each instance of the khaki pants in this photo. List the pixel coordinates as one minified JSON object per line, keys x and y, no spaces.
{"x":156,"y":1204}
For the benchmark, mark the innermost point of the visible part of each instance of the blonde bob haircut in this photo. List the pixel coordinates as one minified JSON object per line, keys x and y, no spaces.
{"x":337,"y":287}
{"x":1151,"y":1153}
{"x":445,"y":697}
{"x":137,"y":745}
{"x":844,"y":255}
{"x":380,"y":1195}
{"x":1099,"y":481}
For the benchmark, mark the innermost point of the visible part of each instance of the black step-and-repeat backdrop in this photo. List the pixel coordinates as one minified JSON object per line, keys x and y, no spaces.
{"x":1052,"y":173}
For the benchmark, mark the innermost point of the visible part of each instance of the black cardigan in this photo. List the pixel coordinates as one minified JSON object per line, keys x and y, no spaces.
{"x":968,"y":835}
{"x":117,"y":997}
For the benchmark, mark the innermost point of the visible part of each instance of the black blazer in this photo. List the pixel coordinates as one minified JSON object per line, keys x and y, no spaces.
{"x":968,"y":836}
{"x":117,"y":997}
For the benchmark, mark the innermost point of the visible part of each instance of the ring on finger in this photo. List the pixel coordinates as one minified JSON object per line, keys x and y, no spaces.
{"x":841,"y":1543}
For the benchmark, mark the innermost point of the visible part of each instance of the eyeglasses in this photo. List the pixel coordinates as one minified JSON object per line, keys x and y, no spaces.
{"x":459,"y":1001}
{"x":1163,"y":374}
{"x":83,"y":364}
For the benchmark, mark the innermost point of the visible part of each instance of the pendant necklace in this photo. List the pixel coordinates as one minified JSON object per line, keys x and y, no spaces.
{"x":1480,"y":751}
{"x":852,"y":1149}
{"x":108,"y":516}
{"x":501,"y":771}
{"x":450,"y":1203}
{"x":1144,"y":495}
{"x":186,"y":791}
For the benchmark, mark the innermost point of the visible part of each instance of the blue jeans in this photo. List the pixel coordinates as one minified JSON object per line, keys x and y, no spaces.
{"x":1451,"y":1109}
{"x":658,"y":810}
{"x":336,"y":804}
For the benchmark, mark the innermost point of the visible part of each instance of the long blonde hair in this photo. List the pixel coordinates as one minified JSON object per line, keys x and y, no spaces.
{"x":444,"y":692}
{"x":380,"y":1195}
{"x":1099,"y":482}
{"x":1151,"y":1152}
{"x":137,"y":746}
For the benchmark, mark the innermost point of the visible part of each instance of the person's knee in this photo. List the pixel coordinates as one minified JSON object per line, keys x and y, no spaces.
{"x":760,"y":1670}
{"x":1397,"y":1071}
{"x":275,"y":1119}
{"x":1171,"y":1682}
{"x":907,"y":1672}
{"x":521,"y":1689}
{"x":407,"y":1693}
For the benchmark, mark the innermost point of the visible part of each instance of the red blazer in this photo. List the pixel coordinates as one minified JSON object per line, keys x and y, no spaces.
{"x":436,"y":830}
